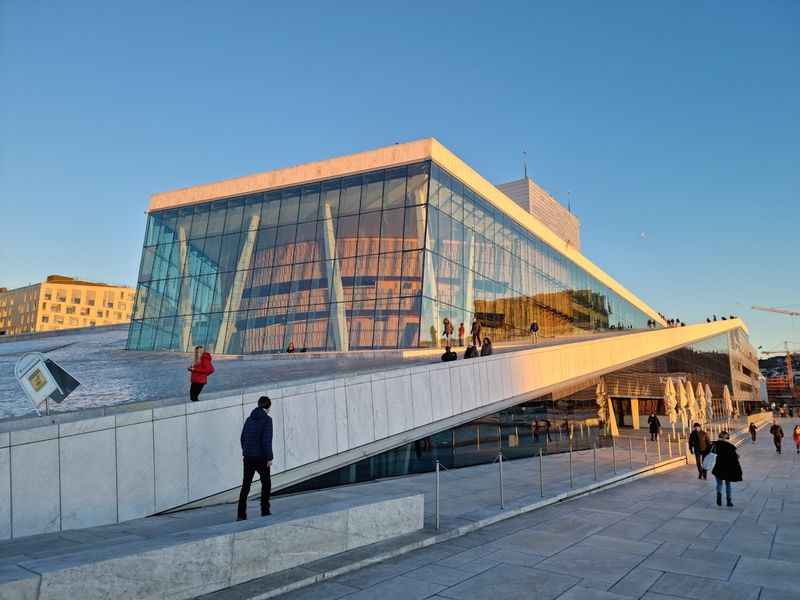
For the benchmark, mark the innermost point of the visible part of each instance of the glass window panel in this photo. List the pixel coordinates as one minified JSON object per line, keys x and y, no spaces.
{"x":408,"y":322}
{"x":229,"y":252}
{"x":154,"y":297}
{"x":146,"y":268}
{"x":270,"y":209}
{"x":151,"y":237}
{"x":252,"y":212}
{"x":317,"y":326}
{"x":395,"y":188}
{"x":390,"y":275}
{"x":306,"y":242}
{"x":199,"y":221}
{"x":309,"y":203}
{"x":295,"y":327}
{"x":299,"y":293}
{"x":392,"y":230}
{"x":290,"y":204}
{"x":369,"y":230}
{"x":366,"y":277}
{"x":184,"y":223}
{"x":163,"y":333}
{"x":216,"y":218}
{"x":168,"y":220}
{"x":330,"y":198}
{"x":414,"y":227}
{"x":258,"y":288}
{"x":387,"y":323}
{"x":417,"y":187}
{"x":350,"y":198}
{"x":445,"y":204}
{"x":134,"y":331}
{"x":457,"y":199}
{"x":347,"y":268}
{"x":141,"y":300}
{"x":373,"y":195}
{"x":284,"y":244}
{"x":148,"y":335}
{"x":265,"y":247}
{"x":362,"y":322}
{"x":346,"y":235}
{"x":412,"y":273}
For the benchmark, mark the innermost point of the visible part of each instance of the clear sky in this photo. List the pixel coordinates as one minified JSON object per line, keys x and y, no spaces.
{"x":674,"y":126}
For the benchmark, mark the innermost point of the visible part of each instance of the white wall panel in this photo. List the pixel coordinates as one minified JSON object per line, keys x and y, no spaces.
{"x":5,"y":493}
{"x":88,"y":480}
{"x":300,"y":428}
{"x":172,"y":475}
{"x":136,"y":471}
{"x":326,"y":421}
{"x":215,"y":451}
{"x":342,"y":435}
{"x":360,"y":427}
{"x":35,"y":488}
{"x":380,"y":411}
{"x":421,"y":397}
{"x":399,"y":404}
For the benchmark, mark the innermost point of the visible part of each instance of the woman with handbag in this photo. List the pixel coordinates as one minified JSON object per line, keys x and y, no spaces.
{"x":726,"y":467}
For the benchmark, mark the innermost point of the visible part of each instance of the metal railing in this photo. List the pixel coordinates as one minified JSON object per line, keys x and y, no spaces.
{"x":668,"y":446}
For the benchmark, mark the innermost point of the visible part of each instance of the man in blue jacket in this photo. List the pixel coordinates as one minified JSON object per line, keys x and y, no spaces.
{"x":256,"y":455}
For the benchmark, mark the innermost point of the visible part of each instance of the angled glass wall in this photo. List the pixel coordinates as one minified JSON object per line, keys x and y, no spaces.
{"x":376,"y":260}
{"x":335,"y":265}
{"x":482,"y":265}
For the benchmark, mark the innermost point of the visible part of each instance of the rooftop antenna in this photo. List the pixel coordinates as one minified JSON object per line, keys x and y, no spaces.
{"x":525,"y":163}
{"x":569,"y":201}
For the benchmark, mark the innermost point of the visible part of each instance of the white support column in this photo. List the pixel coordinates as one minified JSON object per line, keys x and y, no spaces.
{"x":337,"y":321}
{"x":234,"y":300}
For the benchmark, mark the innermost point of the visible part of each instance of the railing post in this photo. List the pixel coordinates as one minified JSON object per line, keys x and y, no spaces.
{"x":644,"y":448}
{"x":436,"y":498}
{"x":614,"y":456}
{"x":478,"y":436}
{"x":570,"y":466}
{"x":541,"y":474}
{"x":594,"y":451}
{"x":658,"y":444}
{"x":669,"y":444}
{"x":500,"y":462}
{"x":630,"y":453}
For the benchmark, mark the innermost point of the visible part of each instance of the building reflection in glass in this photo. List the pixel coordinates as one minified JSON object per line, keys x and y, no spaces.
{"x":376,"y":260}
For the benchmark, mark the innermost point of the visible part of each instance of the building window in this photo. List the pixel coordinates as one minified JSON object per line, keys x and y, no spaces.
{"x":45,"y":319}
{"x":55,"y":308}
{"x":90,"y":298}
{"x":61,"y":295}
{"x":76,"y":297}
{"x":84,"y":312}
{"x":70,"y":310}
{"x":59,"y":319}
{"x":48,"y":294}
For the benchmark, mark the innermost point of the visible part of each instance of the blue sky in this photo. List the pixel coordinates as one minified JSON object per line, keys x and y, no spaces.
{"x":678,"y":120}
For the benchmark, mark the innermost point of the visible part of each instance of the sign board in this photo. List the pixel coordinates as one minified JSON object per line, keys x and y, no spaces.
{"x":42,"y":379}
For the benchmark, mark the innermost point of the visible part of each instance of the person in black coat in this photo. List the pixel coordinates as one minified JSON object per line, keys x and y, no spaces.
{"x":471,"y":352}
{"x":655,"y":426}
{"x":256,"y":440}
{"x":448,"y":355}
{"x":486,"y":349}
{"x":777,"y":435}
{"x":727,"y":467}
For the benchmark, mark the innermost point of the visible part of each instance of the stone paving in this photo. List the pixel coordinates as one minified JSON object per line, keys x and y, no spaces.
{"x":658,"y":538}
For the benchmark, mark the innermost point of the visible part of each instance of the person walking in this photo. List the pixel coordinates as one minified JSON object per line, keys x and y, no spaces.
{"x":547,"y":426}
{"x":796,"y":437}
{"x":447,"y":331}
{"x":655,"y":426}
{"x":201,"y":368}
{"x":486,"y":349}
{"x":475,"y":331}
{"x":777,"y":435}
{"x":726,"y":468}
{"x":699,"y":445}
{"x":256,"y":440}
{"x":461,"y":332}
{"x":537,"y":430}
{"x":534,"y":329}
{"x":753,"y":430}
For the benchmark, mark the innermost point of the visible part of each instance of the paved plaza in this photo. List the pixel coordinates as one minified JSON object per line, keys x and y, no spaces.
{"x":657,"y":538}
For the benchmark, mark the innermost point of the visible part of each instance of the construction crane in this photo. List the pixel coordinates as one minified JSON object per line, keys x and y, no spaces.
{"x":782,"y":311}
{"x":789,"y":365}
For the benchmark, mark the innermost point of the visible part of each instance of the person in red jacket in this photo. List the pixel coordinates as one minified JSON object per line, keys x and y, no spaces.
{"x":200,"y":371}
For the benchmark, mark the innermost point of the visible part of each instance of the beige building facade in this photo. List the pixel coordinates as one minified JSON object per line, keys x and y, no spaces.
{"x":62,"y":302}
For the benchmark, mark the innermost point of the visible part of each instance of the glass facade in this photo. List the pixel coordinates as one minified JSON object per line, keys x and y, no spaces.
{"x":375,"y":260}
